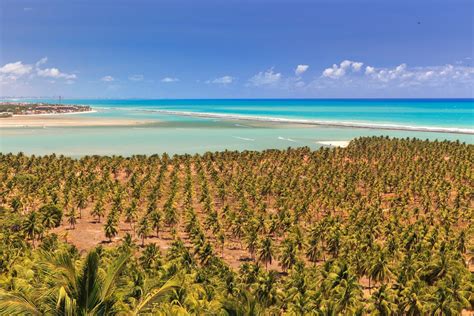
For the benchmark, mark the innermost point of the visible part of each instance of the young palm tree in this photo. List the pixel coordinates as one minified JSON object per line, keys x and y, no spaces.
{"x":379,"y":270}
{"x":110,"y":228}
{"x":155,"y":218}
{"x":81,"y":201}
{"x":382,"y":301}
{"x":131,"y":213}
{"x":265,"y":251}
{"x":287,"y":254}
{"x":150,"y":257}
{"x":313,"y":252}
{"x":412,"y":299}
{"x":51,"y":215}
{"x":98,"y":210}
{"x":32,"y":226}
{"x":143,"y":229}
{"x":265,"y":289}
{"x":251,"y":239}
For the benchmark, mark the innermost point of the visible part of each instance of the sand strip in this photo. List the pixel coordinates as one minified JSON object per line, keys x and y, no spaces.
{"x":335,"y":143}
{"x":57,"y":120}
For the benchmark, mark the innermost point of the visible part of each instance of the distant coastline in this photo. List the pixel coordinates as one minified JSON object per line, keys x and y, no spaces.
{"x":9,"y":109}
{"x":57,"y":113}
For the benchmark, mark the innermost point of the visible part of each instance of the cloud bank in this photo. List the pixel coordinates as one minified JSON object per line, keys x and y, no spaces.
{"x":267,"y":78}
{"x":12,"y":72}
{"x":224,"y":80}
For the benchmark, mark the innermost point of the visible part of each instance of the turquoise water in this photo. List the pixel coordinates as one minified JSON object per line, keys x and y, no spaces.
{"x":187,"y":134}
{"x":433,"y":112}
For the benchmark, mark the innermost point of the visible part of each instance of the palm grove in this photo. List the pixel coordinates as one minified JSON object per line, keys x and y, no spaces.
{"x":381,"y":227}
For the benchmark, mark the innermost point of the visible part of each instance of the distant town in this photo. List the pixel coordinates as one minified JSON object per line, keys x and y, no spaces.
{"x":8,"y":109}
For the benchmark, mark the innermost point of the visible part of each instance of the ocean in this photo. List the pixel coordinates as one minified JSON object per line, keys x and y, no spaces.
{"x":197,"y":126}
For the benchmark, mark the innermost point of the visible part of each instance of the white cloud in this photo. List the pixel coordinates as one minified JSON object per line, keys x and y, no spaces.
{"x":400,"y":76}
{"x":15,"y":70}
{"x":42,"y":61}
{"x":266,"y":78}
{"x":356,"y":66}
{"x":334,"y":72}
{"x":55,"y":73}
{"x":169,"y":79}
{"x":107,"y":79}
{"x":338,"y":71}
{"x":431,"y":75}
{"x":300,"y":69}
{"x":27,"y":9}
{"x":369,"y":70}
{"x":136,"y":77}
{"x":224,"y":80}
{"x":11,"y":72}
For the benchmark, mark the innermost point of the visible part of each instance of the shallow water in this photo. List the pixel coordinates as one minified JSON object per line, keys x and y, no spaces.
{"x":184,"y":134}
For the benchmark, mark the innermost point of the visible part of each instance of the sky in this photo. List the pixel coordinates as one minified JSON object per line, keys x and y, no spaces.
{"x":237,"y":49}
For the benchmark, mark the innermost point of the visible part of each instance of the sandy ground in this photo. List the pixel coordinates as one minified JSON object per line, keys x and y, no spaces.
{"x":335,"y":143}
{"x":65,"y":120}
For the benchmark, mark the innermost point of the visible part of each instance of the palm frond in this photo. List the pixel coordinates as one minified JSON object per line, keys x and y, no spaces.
{"x":157,"y":293}
{"x":112,"y":274}
{"x":17,"y":304}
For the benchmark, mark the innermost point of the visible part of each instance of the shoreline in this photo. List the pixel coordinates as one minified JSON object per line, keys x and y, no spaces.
{"x":54,"y":114}
{"x":334,"y":143}
{"x":451,"y":130}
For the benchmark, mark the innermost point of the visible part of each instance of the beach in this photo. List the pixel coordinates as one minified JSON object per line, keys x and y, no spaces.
{"x":66,"y":120}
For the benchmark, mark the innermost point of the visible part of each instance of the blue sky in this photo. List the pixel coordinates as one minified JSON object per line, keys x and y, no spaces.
{"x":237,"y":49}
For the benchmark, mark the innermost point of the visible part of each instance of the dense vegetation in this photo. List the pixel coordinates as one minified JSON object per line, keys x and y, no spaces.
{"x":19,"y":108}
{"x":381,"y":227}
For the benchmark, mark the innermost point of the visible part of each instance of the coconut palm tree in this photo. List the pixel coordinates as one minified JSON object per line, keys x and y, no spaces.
{"x":382,"y":301}
{"x":110,"y":228}
{"x":287,"y":254}
{"x":379,"y":270}
{"x":98,"y":211}
{"x":155,"y":218}
{"x":265,"y":251}
{"x":74,"y":291}
{"x":143,"y":229}
{"x":32,"y":226}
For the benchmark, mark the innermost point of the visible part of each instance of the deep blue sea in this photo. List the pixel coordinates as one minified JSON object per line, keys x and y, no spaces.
{"x":176,"y":133}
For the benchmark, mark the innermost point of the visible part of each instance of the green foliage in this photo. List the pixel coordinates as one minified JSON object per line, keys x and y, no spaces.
{"x":382,"y":227}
